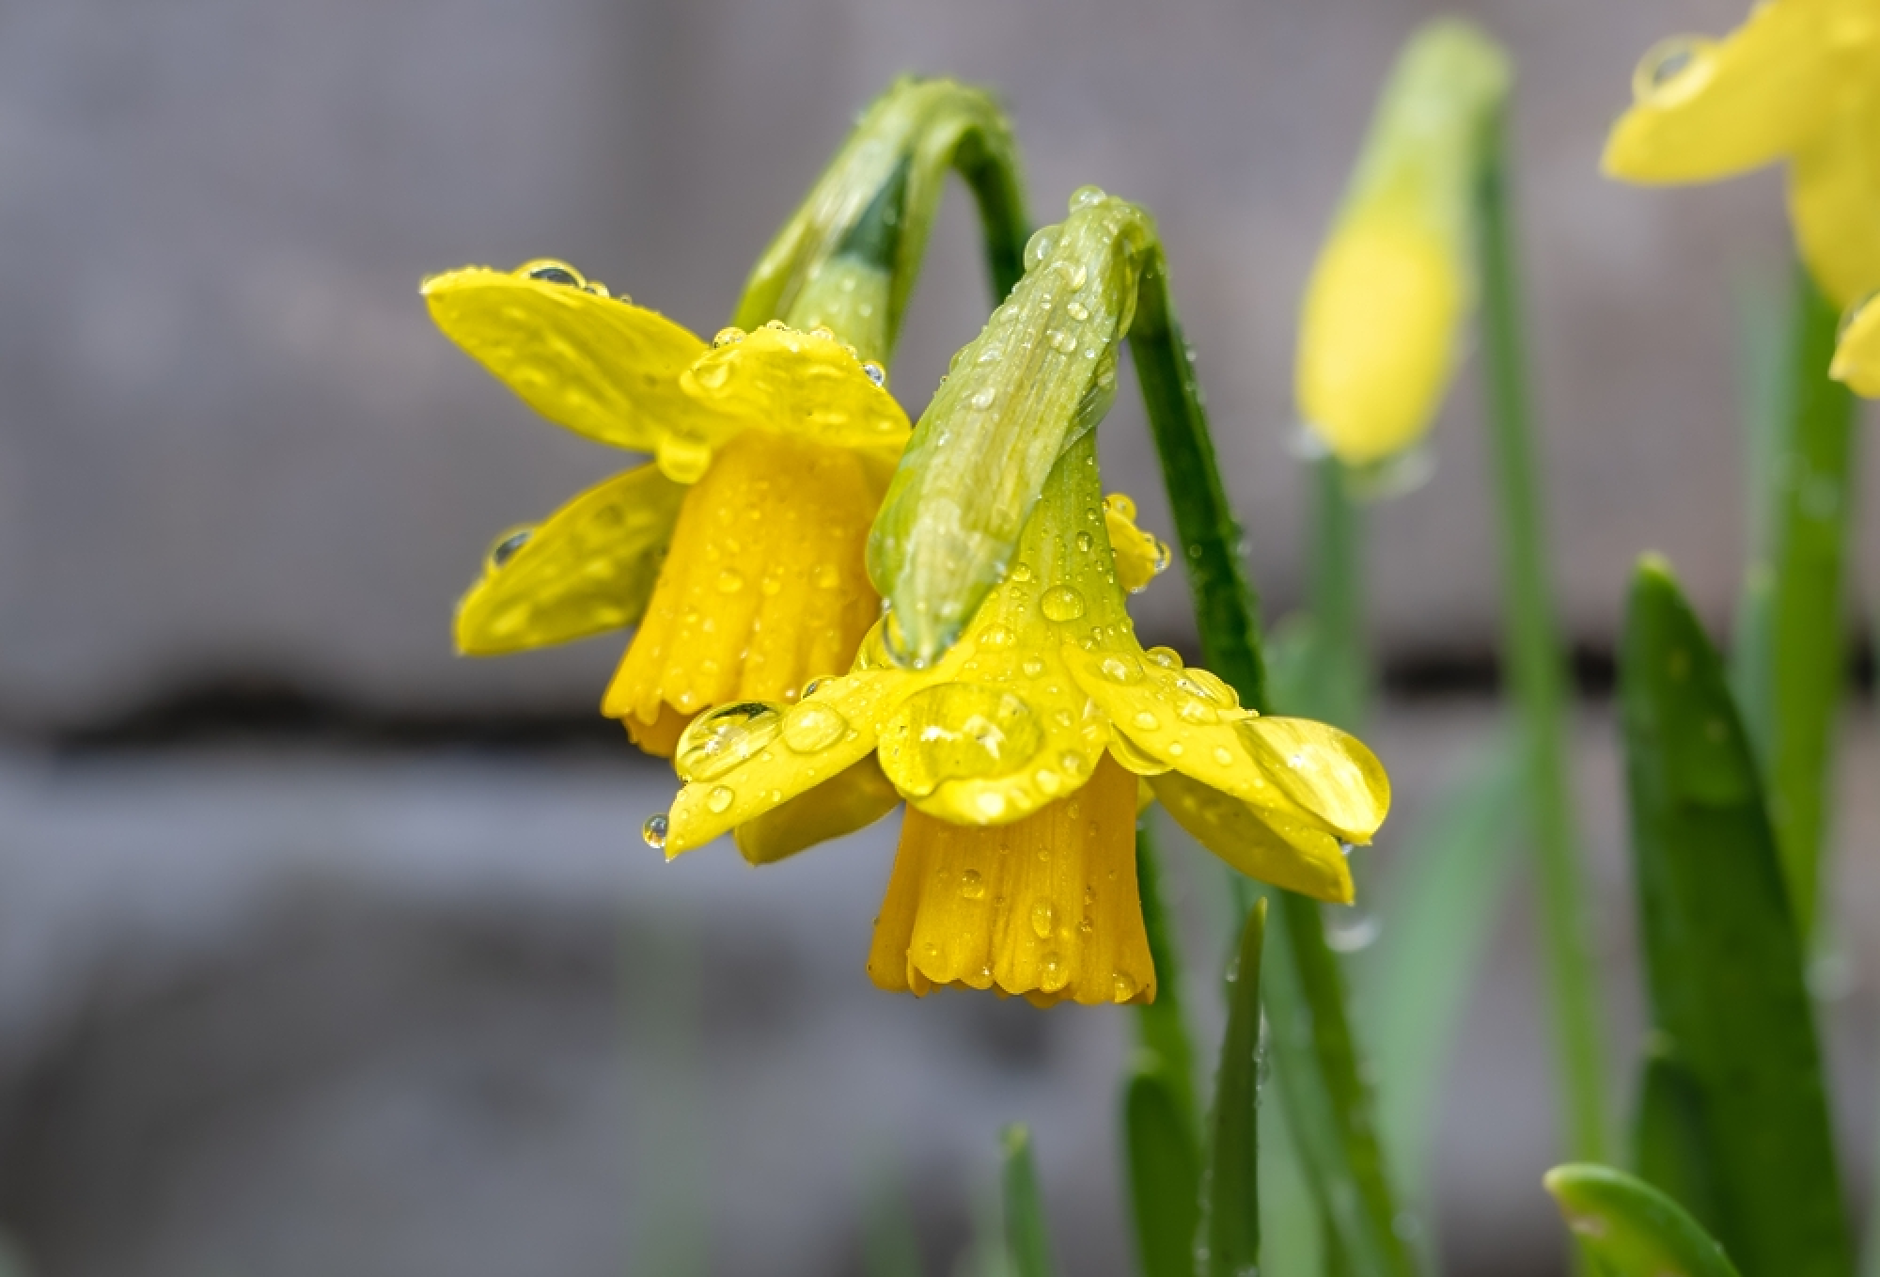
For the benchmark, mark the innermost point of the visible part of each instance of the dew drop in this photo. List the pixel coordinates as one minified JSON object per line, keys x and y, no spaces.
{"x":683,"y":458}
{"x":730,"y":581}
{"x":813,"y":726}
{"x":1039,"y":247}
{"x":654,"y":831}
{"x":1085,"y":541}
{"x":1117,"y":670}
{"x":1021,"y":572}
{"x":719,"y":799}
{"x":876,"y":373}
{"x":1852,"y":314}
{"x":996,"y":636}
{"x":1077,"y":310}
{"x":1061,"y":603}
{"x":1146,"y":721}
{"x":507,"y":545}
{"x":973,"y":885}
{"x":1125,"y":986}
{"x":721,"y":739}
{"x":1054,"y":975}
{"x":1075,"y":275}
{"x":1223,"y":755}
{"x":553,"y":272}
{"x":1166,"y":657}
{"x":1032,"y":667}
{"x":828,"y":577}
{"x":982,"y":399}
{"x":1061,"y":341}
{"x":1087,"y":197}
{"x":1043,"y":916}
{"x":727,"y":337}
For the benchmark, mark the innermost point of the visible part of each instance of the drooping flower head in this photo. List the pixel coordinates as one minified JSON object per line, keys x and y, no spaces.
{"x":1380,"y":331}
{"x":1020,"y":743}
{"x":1799,"y":81}
{"x":739,"y":550}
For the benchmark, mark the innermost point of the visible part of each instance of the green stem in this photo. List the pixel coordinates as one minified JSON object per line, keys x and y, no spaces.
{"x":1316,"y":1063}
{"x":1810,"y":500}
{"x":1161,"y":1026}
{"x":1339,"y":670}
{"x":1536,"y":667}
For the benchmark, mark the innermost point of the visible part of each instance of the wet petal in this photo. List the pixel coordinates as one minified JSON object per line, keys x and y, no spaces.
{"x":1325,"y":772}
{"x":589,"y":568}
{"x":1287,"y":853}
{"x":600,"y":366}
{"x":1834,"y":192}
{"x":1704,"y":109}
{"x":797,"y":384}
{"x":1857,"y":356}
{"x":1046,"y":908}
{"x":850,"y":800}
{"x":740,"y":761}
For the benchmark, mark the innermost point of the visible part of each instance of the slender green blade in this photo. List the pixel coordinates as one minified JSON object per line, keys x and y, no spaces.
{"x":1231,"y":1197}
{"x":1026,"y":1236}
{"x":1631,"y":1228}
{"x":890,"y":1246}
{"x":1328,"y":1105}
{"x":1805,"y":623}
{"x":1164,"y":1176}
{"x":1162,"y":1030}
{"x":1668,"y":1141}
{"x":1443,"y":889}
{"x":1723,"y":958}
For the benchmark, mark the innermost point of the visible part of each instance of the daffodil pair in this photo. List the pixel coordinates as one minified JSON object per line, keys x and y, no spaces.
{"x":1799,"y":82}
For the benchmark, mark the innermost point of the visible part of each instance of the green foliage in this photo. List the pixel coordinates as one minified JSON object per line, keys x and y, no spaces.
{"x":1164,"y":1176}
{"x":1231,"y":1196}
{"x":1027,"y":1239}
{"x":1630,"y":1228}
{"x":1724,"y":960}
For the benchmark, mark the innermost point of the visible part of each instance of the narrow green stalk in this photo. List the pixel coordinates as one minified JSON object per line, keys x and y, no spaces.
{"x":1809,"y":502}
{"x":1340,"y":670}
{"x":1161,"y":1026}
{"x":1536,"y":669}
{"x":1026,"y":1237}
{"x":1328,"y":1104}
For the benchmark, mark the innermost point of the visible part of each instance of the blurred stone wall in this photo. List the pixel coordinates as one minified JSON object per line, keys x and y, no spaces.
{"x":233,"y":448}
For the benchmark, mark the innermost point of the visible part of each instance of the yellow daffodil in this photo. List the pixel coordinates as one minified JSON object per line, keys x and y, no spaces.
{"x":1018,"y":753}
{"x":1798,"y":81}
{"x":739,"y":550}
{"x":1380,"y":327}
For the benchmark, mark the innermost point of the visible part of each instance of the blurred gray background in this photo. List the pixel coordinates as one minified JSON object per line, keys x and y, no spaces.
{"x":322,"y":950}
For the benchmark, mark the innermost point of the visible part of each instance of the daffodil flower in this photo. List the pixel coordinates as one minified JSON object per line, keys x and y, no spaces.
{"x":1380,"y":327}
{"x":739,"y":551}
{"x":1019,"y":754}
{"x":1798,"y":81}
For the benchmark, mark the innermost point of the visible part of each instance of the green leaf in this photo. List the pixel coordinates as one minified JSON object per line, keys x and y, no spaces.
{"x":1231,"y":1197}
{"x":1329,"y":1108}
{"x":1723,"y":958}
{"x":1026,"y":1237}
{"x":1441,"y":892}
{"x":890,"y":1246}
{"x":1668,"y":1141}
{"x":1164,"y":1175}
{"x":1161,"y":1028}
{"x":1631,"y":1228}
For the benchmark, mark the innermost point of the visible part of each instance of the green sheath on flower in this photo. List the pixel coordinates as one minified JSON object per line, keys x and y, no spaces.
{"x":1379,"y":334}
{"x":1039,"y":375}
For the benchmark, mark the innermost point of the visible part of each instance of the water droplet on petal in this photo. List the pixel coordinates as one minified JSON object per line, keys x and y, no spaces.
{"x":654,"y":831}
{"x":1223,"y":755}
{"x":730,"y":581}
{"x":982,"y":399}
{"x":507,"y":545}
{"x":1086,"y":196}
{"x":1085,"y":541}
{"x":876,"y":373}
{"x":1667,"y":64}
{"x":1118,"y":670}
{"x":1061,"y":603}
{"x":1166,"y":657}
{"x":683,"y":458}
{"x":1077,"y":310}
{"x":996,"y":636}
{"x":1125,"y":986}
{"x":550,"y":271}
{"x":1146,"y":721}
{"x":1039,"y":247}
{"x":727,"y":337}
{"x":719,"y":799}
{"x":719,"y":740}
{"x":1042,"y":917}
{"x":1053,"y":975}
{"x":812,"y":726}
{"x":972,"y":885}
{"x":1021,"y":572}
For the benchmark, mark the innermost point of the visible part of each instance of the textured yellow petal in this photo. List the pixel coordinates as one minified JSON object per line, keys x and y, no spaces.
{"x":764,"y":586}
{"x":1834,"y":201}
{"x":1167,"y":716}
{"x":589,"y":568}
{"x":1704,"y":109}
{"x":1378,"y":333}
{"x":1323,"y":771}
{"x":1140,"y":556}
{"x":1286,"y":853}
{"x":1046,"y":908}
{"x":1857,"y":356}
{"x":744,"y":759}
{"x":847,"y":801}
{"x":600,"y":366}
{"x":798,"y":384}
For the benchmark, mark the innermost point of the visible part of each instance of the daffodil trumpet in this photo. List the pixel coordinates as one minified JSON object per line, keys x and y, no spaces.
{"x":1020,"y":754}
{"x":738,"y":551}
{"x":1380,"y":330}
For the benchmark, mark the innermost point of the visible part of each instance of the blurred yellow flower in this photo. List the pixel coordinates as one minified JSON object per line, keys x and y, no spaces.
{"x":1380,"y":327}
{"x":1798,"y":81}
{"x":739,"y":551}
{"x":1018,"y":753}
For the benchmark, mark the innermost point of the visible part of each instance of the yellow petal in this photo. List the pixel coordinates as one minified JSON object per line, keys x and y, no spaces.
{"x":847,"y":801}
{"x":801,"y":385}
{"x":1705,"y":109}
{"x":764,"y":587}
{"x":1140,"y":556}
{"x":1834,"y":201}
{"x":742,"y":760}
{"x":1379,"y":331}
{"x":600,"y":366}
{"x":1046,"y":908}
{"x":588,"y":568}
{"x":1857,"y":356}
{"x":1322,"y":771}
{"x":1284,"y":852}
